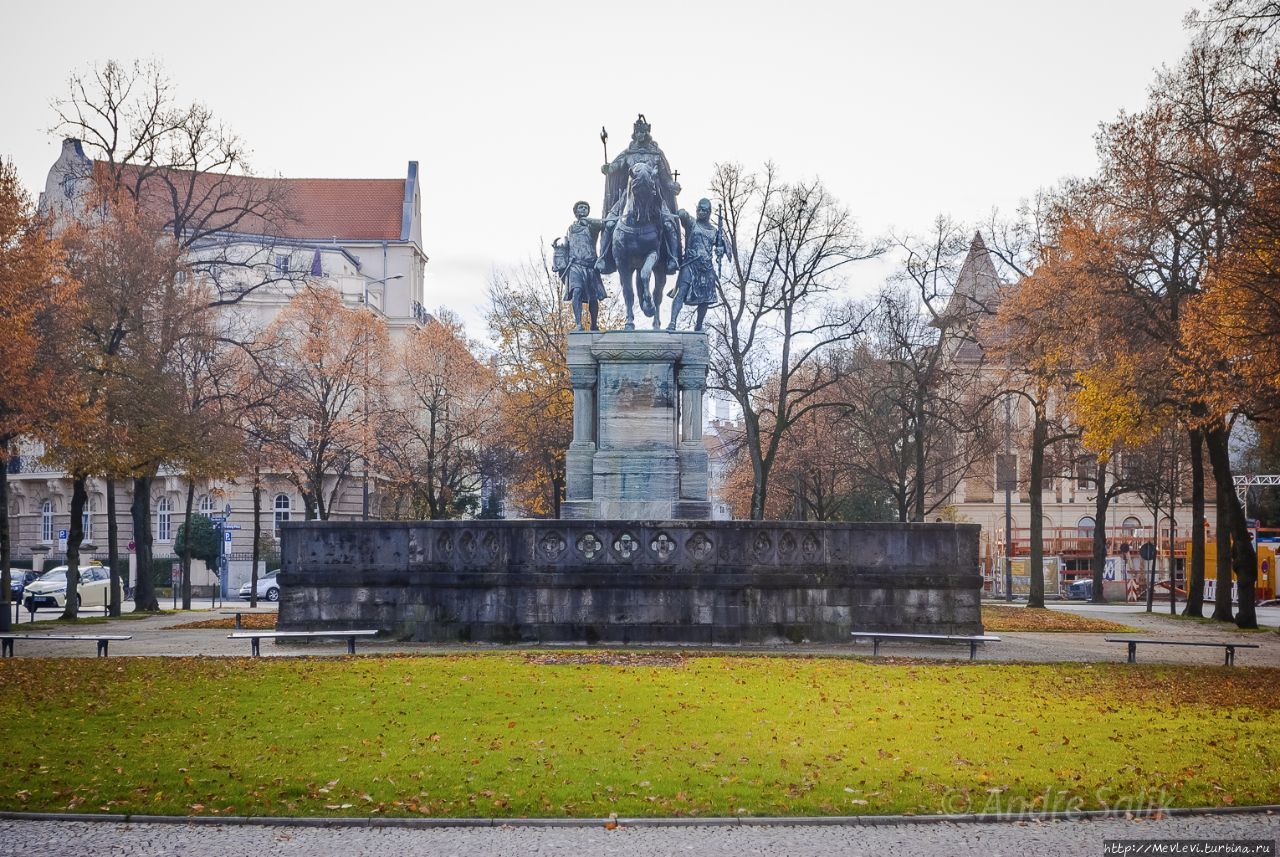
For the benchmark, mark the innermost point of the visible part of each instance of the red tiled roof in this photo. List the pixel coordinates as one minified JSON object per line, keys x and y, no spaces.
{"x":304,"y":209}
{"x":345,"y":208}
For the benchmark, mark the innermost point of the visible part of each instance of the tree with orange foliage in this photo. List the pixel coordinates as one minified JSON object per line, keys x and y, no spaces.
{"x":530,"y":324}
{"x":325,"y":364}
{"x":1037,"y":379}
{"x":39,"y":304}
{"x":136,"y":315}
{"x":441,"y":409}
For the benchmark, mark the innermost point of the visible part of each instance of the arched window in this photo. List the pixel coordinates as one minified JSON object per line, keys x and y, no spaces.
{"x":206,"y":505}
{"x":283,"y":510}
{"x":1131,"y":526}
{"x":164,"y":521}
{"x":1084,"y":527}
{"x":46,"y":521}
{"x":86,"y":520}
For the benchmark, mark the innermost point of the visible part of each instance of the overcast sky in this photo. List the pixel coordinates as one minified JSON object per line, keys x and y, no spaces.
{"x":905,"y":109}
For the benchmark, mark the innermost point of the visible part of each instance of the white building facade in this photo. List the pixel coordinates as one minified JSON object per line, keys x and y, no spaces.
{"x":360,"y":237}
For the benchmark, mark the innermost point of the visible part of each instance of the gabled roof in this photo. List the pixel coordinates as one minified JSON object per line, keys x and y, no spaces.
{"x":978,"y":284}
{"x":976,"y":294}
{"x":317,"y":209}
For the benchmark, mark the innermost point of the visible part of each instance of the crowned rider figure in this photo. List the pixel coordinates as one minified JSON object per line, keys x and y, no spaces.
{"x":642,"y":149}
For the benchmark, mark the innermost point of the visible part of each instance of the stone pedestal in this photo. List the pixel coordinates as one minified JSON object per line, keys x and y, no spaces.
{"x":637,"y":450}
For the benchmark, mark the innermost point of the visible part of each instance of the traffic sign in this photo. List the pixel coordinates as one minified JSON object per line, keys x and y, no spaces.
{"x":230,"y":526}
{"x":1147,"y":551}
{"x":227,"y":538}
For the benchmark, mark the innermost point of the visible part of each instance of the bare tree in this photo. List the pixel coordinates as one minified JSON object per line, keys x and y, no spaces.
{"x":775,"y":332}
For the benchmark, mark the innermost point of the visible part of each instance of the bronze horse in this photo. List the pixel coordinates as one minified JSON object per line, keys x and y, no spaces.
{"x":637,"y":245}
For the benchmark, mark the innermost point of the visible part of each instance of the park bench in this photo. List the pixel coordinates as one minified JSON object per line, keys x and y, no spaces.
{"x":877,"y":637}
{"x":103,"y":640}
{"x":255,"y":636}
{"x":1133,"y":646}
{"x":246,"y":612}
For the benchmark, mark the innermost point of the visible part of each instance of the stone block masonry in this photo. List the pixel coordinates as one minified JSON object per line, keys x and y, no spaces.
{"x":637,"y":448}
{"x":613,"y":581}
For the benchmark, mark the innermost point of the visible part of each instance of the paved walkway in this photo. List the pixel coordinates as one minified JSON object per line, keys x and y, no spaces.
{"x":154,"y":636}
{"x":38,"y":838}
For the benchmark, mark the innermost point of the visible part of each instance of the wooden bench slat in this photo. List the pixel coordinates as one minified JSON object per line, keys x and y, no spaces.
{"x":255,"y":637}
{"x":244,"y":635}
{"x":103,"y":640}
{"x":1181,"y":643}
{"x":973,"y":640}
{"x":1134,"y":642}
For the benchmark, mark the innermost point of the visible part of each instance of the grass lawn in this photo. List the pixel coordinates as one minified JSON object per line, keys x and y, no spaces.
{"x":86,"y":619}
{"x":1026,"y":619}
{"x":590,"y":733}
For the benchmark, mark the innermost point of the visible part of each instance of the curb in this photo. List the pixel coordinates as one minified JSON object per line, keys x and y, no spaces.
{"x":748,"y":821}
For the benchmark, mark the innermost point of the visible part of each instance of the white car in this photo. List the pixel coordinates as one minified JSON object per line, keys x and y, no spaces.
{"x":268,"y":587}
{"x":50,"y":588}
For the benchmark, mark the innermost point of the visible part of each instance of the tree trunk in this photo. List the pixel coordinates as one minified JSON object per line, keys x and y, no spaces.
{"x":144,"y":590}
{"x":1155,"y":543}
{"x":1222,"y":560}
{"x":186,"y":545}
{"x":1244,"y":557}
{"x":1195,"y":574}
{"x":113,"y":549}
{"x":1035,"y":563}
{"x":75,"y":535}
{"x":917,"y":439}
{"x":257,"y":535}
{"x":1101,"y":502}
{"x":6,"y":606}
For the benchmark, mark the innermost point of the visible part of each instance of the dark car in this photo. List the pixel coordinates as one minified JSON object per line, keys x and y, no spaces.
{"x":18,"y":579}
{"x":1082,"y":589}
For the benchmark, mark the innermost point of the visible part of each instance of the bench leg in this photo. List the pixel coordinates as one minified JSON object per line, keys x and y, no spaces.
{"x":102,"y":648}
{"x":1231,"y":656}
{"x":1133,"y":653}
{"x":237,"y":621}
{"x":875,"y":646}
{"x":973,"y":651}
{"x":253,"y":646}
{"x":351,"y":645}
{"x":7,"y":646}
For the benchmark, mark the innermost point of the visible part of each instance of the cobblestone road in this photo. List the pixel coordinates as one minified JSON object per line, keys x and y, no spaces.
{"x":61,"y":839}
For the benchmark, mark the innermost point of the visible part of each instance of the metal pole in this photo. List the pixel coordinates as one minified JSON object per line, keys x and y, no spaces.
{"x":1008,"y":499}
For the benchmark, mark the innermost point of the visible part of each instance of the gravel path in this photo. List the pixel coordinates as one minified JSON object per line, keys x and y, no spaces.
{"x":152,"y":637}
{"x":32,"y":838}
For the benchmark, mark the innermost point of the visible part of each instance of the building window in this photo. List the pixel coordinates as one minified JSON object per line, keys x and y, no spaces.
{"x":206,"y":505}
{"x":282,"y":263}
{"x":1084,"y":527}
{"x":86,"y":520}
{"x":1086,"y":475}
{"x":46,"y":521}
{"x":1131,"y":526}
{"x":1006,"y":472}
{"x":164,"y":521}
{"x":283,"y":509}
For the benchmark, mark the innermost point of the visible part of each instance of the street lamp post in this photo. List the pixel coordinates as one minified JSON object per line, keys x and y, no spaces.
{"x":364,"y":491}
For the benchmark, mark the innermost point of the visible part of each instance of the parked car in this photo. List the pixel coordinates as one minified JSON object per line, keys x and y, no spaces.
{"x":50,"y":588}
{"x":268,"y":587}
{"x":1082,"y":589}
{"x":18,"y":580}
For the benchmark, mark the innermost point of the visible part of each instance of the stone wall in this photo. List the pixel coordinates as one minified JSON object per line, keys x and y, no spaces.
{"x":696,"y":582}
